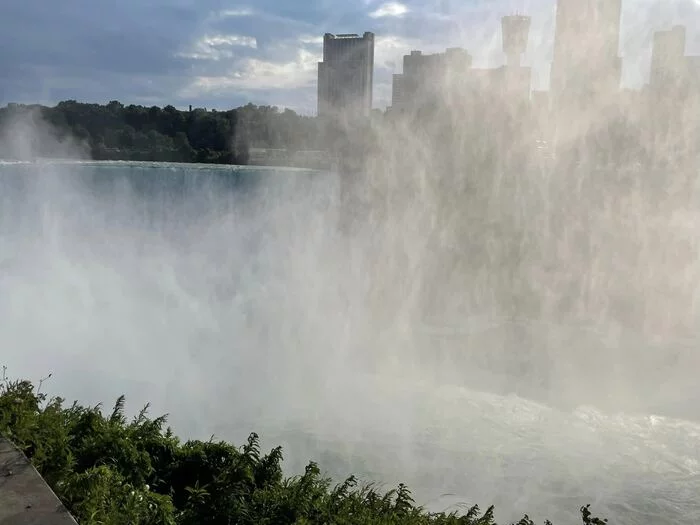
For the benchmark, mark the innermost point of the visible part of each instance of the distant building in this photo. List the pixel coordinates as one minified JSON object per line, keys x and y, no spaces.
{"x":674,"y":91}
{"x":515,"y":82}
{"x":449,"y":76}
{"x":426,"y":77}
{"x":586,"y":67}
{"x":398,"y":92}
{"x":515,"y":31}
{"x":507,"y":88}
{"x":586,"y":59}
{"x":345,"y":76}
{"x":668,"y":61}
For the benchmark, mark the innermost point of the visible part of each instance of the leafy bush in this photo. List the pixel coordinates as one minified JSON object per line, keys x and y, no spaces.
{"x":112,"y":471}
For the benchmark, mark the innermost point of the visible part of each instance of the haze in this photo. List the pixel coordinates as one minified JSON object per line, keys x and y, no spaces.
{"x":500,"y":331}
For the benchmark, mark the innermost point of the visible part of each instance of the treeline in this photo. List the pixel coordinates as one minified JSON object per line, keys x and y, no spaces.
{"x":118,"y":132}
{"x":112,"y":471}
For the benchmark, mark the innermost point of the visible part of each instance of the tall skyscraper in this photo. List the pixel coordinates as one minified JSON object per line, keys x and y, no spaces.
{"x":515,"y":30}
{"x":586,"y":61}
{"x":586,"y":67}
{"x":668,"y":60}
{"x":345,"y":76}
{"x":674,"y":94}
{"x":516,"y":81}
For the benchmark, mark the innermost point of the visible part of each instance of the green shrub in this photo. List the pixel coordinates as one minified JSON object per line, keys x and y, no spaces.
{"x":111,"y":471}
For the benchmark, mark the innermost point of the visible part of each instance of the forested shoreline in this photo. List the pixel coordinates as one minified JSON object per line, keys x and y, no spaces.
{"x":115,"y":131}
{"x":110,"y":470}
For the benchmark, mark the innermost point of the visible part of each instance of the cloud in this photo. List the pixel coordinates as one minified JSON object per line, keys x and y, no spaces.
{"x":259,"y":74}
{"x":313,"y":40}
{"x":390,"y":49}
{"x":395,"y":9}
{"x":236,"y":12}
{"x":218,"y":47}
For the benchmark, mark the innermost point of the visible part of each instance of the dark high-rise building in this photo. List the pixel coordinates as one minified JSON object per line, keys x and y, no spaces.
{"x":345,"y":76}
{"x":427,"y":78}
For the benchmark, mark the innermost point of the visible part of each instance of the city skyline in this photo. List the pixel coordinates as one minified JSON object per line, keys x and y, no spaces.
{"x":222,"y":55}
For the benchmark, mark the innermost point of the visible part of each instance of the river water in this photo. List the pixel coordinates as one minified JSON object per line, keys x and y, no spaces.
{"x":229,"y":298}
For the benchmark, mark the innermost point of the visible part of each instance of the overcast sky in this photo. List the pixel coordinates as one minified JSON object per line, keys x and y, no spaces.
{"x":222,"y":54}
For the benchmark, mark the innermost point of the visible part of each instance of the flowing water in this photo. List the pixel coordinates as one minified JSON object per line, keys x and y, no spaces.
{"x":229,"y":298}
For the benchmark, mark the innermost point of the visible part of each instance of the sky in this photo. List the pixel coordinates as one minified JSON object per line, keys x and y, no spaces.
{"x":223,"y":54}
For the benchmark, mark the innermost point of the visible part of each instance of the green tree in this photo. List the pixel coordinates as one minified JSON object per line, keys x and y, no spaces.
{"x":133,"y":132}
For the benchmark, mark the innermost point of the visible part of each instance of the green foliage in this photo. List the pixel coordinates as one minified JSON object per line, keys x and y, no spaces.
{"x":118,"y":132}
{"x":112,"y":471}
